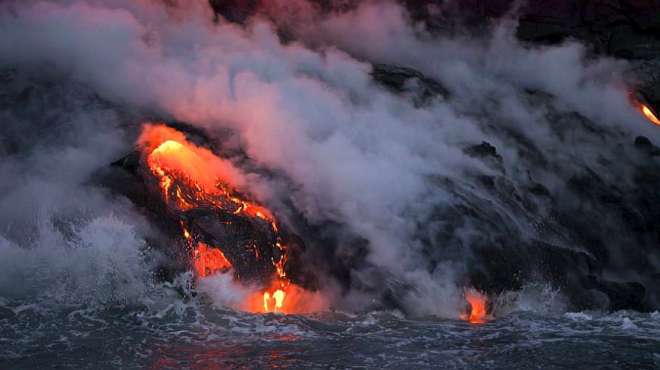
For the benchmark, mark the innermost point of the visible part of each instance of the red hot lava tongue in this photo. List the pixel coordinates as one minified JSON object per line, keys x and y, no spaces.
{"x":648,"y":114}
{"x":197,"y":188}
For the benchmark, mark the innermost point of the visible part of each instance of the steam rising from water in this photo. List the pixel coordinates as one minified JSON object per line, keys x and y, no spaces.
{"x":101,"y":263}
{"x":342,"y":149}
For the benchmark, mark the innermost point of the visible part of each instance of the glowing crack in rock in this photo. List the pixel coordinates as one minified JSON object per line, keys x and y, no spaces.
{"x":189,"y":177}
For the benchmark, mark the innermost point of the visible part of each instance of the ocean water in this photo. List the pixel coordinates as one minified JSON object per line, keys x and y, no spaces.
{"x":192,"y":333}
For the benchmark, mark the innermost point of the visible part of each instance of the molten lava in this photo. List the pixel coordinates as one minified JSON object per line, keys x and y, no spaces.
{"x":274,"y":303}
{"x":289,"y":298}
{"x":207,"y":261}
{"x":637,"y":102}
{"x":190,"y":177}
{"x":648,"y":113}
{"x":477,"y":312}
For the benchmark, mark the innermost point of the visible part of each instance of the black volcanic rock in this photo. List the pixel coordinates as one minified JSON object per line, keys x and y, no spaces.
{"x":247,"y":243}
{"x":407,"y":80}
{"x":234,"y":10}
{"x":486,"y":152}
{"x":627,"y":295}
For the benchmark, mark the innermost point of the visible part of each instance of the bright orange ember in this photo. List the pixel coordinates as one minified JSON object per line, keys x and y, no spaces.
{"x":477,"y":313}
{"x":191,"y":176}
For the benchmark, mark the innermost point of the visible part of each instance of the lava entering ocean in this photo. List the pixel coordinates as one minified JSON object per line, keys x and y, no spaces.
{"x":477,"y":312}
{"x":193,"y":178}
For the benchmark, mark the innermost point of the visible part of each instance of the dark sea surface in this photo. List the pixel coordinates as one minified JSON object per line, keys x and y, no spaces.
{"x":195,"y":334}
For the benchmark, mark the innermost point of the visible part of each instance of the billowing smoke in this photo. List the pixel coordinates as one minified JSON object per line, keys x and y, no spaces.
{"x":395,"y":180}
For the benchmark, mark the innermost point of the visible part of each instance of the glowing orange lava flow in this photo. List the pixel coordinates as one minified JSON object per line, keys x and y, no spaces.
{"x":477,"y":313}
{"x":648,"y":113}
{"x":191,"y":176}
{"x":636,"y":101}
{"x":208,"y":261}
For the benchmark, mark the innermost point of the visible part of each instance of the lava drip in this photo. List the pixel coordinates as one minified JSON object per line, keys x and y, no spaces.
{"x":222,"y":229}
